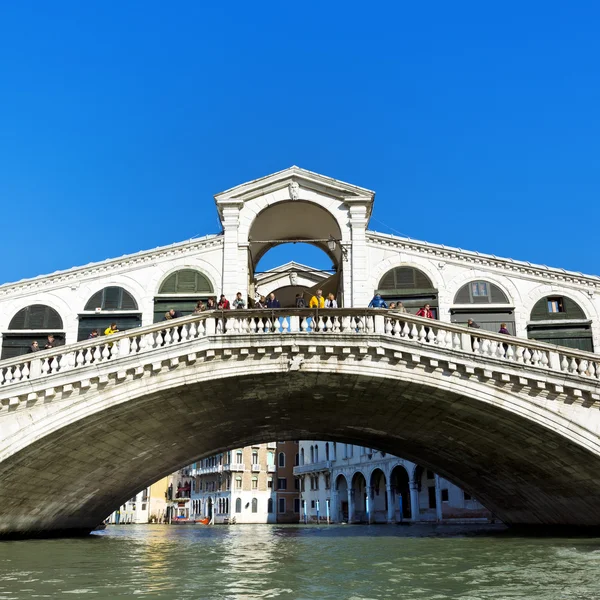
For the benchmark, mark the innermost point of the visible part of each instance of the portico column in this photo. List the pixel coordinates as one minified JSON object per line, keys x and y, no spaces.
{"x":334,"y":511}
{"x":414,"y":501}
{"x":351,"y":506}
{"x":438,"y":499}
{"x":356,"y":285}
{"x":235,"y":259}
{"x":391,"y":508}
{"x":371,"y":501}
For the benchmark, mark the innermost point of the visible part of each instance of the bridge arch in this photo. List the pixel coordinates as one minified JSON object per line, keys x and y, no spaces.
{"x":115,"y":429}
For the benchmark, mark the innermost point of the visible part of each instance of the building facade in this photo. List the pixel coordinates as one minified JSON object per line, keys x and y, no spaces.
{"x":353,"y":484}
{"x":254,"y":484}
{"x":148,"y":506}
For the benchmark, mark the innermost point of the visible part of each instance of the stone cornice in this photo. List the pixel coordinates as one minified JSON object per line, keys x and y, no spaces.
{"x":111,"y":265}
{"x":477,"y":259}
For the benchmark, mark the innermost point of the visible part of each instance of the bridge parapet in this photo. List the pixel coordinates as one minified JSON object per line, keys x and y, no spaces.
{"x":312,"y":323}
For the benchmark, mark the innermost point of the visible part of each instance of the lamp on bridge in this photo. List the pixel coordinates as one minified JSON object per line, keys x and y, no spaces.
{"x":332,"y":245}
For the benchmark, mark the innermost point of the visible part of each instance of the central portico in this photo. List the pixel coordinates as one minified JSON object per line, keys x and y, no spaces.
{"x":296,"y":205}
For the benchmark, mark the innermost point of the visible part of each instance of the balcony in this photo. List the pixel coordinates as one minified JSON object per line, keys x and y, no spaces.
{"x":209,"y":470}
{"x":271,"y":468}
{"x":255,"y":468}
{"x":238,"y":467}
{"x":323,"y":465}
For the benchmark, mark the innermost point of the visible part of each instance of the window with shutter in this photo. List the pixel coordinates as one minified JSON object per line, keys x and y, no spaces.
{"x":186,"y":281}
{"x":36,"y":316}
{"x":556,"y":308}
{"x":112,"y":298}
{"x":405,"y":278}
{"x":480,"y":292}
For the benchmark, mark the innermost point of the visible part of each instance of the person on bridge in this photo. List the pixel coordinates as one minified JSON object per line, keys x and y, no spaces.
{"x":331,"y":302}
{"x":425,"y":312}
{"x":400,"y":308}
{"x":200,"y":307}
{"x":112,"y":328}
{"x":93,"y":335}
{"x":35,"y":347}
{"x":503,"y":329}
{"x":377,"y":302}
{"x":471,"y":323}
{"x":300,"y":301}
{"x":51,"y":343}
{"x":223,"y":303}
{"x":261,"y":303}
{"x":272,"y":302}
{"x":317,"y":301}
{"x":175,"y":314}
{"x":210,"y":304}
{"x":239,"y":301}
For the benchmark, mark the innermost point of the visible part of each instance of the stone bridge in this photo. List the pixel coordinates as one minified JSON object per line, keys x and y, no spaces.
{"x":85,"y":426}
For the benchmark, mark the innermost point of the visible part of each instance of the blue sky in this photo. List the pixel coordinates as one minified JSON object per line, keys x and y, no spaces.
{"x":477,"y":124}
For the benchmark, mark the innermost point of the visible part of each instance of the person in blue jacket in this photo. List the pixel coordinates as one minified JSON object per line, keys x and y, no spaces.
{"x":377,"y":302}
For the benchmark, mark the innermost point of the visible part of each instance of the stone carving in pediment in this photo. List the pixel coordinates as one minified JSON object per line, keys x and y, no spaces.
{"x":294,"y":189}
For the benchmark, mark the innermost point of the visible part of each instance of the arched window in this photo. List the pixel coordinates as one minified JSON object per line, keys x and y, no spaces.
{"x":181,"y":291}
{"x":32,"y":323}
{"x":480,"y":292}
{"x":281,"y":459}
{"x":186,"y":281}
{"x":559,"y":320}
{"x":312,"y":454}
{"x":478,"y":300}
{"x":411,"y":287}
{"x":270,"y":505}
{"x":316,"y":453}
{"x":297,"y":461}
{"x":301,"y":456}
{"x":326,"y":450}
{"x":112,"y":298}
{"x":36,"y":316}
{"x":254,"y":505}
{"x":238,"y":505}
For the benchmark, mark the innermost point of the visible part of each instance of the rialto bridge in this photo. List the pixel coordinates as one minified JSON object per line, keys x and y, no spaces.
{"x":512,"y":419}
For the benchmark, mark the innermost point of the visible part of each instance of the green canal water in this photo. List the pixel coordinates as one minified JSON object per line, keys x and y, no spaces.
{"x":295,"y":562}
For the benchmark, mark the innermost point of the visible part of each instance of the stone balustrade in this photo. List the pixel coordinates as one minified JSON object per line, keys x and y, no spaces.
{"x":311,"y":322}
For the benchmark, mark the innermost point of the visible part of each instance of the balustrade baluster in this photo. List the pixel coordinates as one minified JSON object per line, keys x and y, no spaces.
{"x":167,"y":337}
{"x":193,"y":330}
{"x":17,"y":373}
{"x":252,"y":326}
{"x":346,"y":324}
{"x":501,"y":350}
{"x":414,"y":332}
{"x":260,"y":325}
{"x":336,"y":324}
{"x":8,"y":376}
{"x":105,"y":352}
{"x":493,"y":348}
{"x":510,"y":352}
{"x":389,"y":326}
{"x":54,"y":364}
{"x":544,"y":359}
{"x":573,"y":365}
{"x":185,"y":334}
{"x":328,"y":324}
{"x":2,"y":371}
{"x":591,"y":370}
{"x":583,"y":365}
{"x":26,"y":372}
{"x":564,"y":364}
{"x":201,"y":328}
{"x":370,"y":324}
{"x":284,"y":325}
{"x":527,"y":356}
{"x":430,"y":337}
{"x":422,"y":334}
{"x":397,"y":328}
{"x":320,"y":324}
{"x":89,"y":356}
{"x":475,"y":344}
{"x":360,"y":324}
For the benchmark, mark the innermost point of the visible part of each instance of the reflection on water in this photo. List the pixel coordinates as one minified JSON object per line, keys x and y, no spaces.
{"x":248,"y":562}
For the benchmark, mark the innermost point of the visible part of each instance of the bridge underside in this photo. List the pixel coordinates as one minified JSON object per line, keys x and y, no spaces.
{"x":70,"y":480}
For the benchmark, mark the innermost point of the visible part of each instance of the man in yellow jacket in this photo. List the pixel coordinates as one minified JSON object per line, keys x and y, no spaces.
{"x":317,"y":301}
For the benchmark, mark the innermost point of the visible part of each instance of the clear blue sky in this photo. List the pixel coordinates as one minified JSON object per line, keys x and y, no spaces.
{"x":476,"y":123}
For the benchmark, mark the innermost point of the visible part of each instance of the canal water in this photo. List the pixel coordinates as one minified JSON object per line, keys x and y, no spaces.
{"x":248,"y":562}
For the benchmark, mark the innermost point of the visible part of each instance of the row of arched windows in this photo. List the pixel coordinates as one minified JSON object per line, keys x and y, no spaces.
{"x":556,"y":319}
{"x":180,"y":290}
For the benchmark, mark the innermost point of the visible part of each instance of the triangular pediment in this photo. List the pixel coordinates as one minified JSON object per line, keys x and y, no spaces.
{"x":326,"y":186}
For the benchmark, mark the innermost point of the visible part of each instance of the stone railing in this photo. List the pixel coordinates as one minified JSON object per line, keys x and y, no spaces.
{"x":323,"y":465}
{"x":310,"y":322}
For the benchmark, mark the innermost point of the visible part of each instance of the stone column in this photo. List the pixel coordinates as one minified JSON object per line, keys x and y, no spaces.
{"x":391,"y":507}
{"x":235,"y":259}
{"x":371,"y":502}
{"x":438,"y":499}
{"x":351,"y":516}
{"x":357,"y":286}
{"x":414,"y":501}
{"x":334,"y":511}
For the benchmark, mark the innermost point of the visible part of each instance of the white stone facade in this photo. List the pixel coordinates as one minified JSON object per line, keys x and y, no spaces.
{"x":324,"y":208}
{"x":349,"y":483}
